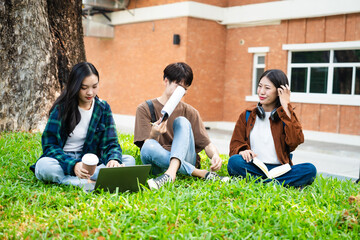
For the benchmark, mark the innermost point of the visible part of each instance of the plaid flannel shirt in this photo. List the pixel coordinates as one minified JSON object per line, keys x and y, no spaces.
{"x":101,"y":138}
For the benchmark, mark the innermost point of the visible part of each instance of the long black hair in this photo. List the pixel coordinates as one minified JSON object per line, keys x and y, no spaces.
{"x":68,"y":100}
{"x":278,"y":78}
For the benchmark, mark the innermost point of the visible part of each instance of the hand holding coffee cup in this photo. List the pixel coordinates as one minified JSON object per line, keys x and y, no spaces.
{"x":89,"y":162}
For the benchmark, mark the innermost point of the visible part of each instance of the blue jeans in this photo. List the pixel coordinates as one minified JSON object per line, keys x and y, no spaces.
{"x":49,"y":170}
{"x":182,"y":148}
{"x":299,"y":175}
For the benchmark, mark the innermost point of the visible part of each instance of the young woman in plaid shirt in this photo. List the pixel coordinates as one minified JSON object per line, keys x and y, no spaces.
{"x":79,"y":123}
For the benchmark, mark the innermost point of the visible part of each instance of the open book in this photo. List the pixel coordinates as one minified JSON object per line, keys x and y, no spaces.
{"x":273,"y":173}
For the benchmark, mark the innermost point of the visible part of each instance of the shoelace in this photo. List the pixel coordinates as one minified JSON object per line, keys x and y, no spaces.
{"x":163,"y":180}
{"x":212,"y":175}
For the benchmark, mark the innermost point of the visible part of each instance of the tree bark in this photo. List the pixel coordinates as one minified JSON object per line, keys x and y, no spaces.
{"x":40,"y":42}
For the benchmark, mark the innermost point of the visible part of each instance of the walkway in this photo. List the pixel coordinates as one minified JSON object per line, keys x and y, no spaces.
{"x":325,"y":150}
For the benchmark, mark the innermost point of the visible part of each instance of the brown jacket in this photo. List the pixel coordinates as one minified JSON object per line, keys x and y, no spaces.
{"x":286,"y":138}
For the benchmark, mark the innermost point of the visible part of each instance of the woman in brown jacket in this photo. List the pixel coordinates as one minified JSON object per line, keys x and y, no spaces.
{"x":269,"y":132}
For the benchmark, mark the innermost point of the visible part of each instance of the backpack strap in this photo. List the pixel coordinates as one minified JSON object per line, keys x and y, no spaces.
{"x":152,"y":111}
{"x":247,"y":117}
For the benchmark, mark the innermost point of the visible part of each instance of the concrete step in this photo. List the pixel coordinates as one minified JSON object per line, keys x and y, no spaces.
{"x":334,"y":155}
{"x":330,"y":159}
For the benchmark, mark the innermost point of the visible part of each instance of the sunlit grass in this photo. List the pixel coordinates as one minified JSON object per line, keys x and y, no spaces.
{"x":190,"y":208}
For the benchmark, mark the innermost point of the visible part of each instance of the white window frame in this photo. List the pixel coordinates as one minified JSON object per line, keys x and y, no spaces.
{"x":331,"y":65}
{"x":256,"y":65}
{"x":258,"y":52}
{"x":329,"y":97}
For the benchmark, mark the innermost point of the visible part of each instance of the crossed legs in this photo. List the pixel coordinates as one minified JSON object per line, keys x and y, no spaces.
{"x":299,"y":175}
{"x":182,"y":156}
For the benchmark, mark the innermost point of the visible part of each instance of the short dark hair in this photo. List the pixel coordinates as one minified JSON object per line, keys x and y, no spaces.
{"x":278,"y":78}
{"x":178,"y":72}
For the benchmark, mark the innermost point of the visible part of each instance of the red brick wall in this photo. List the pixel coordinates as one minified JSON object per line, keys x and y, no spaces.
{"x":329,"y":118}
{"x":150,"y":3}
{"x":238,"y":68}
{"x":349,"y":120}
{"x":296,"y":31}
{"x":320,"y":117}
{"x":352,"y":27}
{"x":247,"y":2}
{"x":314,"y":30}
{"x":219,"y":3}
{"x":131,"y":64}
{"x":239,"y":63}
{"x":206,"y":55}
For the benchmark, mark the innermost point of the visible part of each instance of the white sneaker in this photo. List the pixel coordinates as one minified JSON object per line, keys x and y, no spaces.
{"x":215,"y":177}
{"x":156,"y":183}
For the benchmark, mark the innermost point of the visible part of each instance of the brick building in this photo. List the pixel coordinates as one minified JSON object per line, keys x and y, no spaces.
{"x":228,"y":43}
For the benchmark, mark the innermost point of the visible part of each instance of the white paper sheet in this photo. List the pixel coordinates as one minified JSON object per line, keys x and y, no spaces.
{"x":173,"y":101}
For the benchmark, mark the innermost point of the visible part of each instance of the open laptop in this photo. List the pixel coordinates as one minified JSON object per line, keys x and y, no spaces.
{"x":121,"y":179}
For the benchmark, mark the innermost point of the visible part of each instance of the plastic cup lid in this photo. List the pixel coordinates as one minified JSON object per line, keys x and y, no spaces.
{"x":90,"y":159}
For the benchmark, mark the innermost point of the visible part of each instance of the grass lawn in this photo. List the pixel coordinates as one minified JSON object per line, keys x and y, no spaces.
{"x":190,"y":208}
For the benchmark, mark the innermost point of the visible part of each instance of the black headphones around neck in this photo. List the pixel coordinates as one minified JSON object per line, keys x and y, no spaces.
{"x":261,"y":113}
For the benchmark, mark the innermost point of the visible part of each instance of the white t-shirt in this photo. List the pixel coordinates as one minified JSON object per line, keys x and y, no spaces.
{"x":76,"y":140}
{"x":262,"y":142}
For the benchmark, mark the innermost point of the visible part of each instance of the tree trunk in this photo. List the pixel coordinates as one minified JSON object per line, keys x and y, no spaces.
{"x":40,"y":42}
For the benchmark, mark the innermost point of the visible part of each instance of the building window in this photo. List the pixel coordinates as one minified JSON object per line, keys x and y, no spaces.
{"x":258,"y":69}
{"x":331,"y":72}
